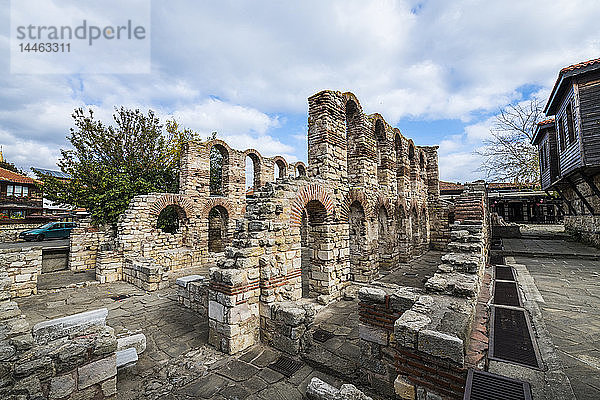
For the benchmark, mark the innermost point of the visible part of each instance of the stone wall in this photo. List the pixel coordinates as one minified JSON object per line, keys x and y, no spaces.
{"x":9,"y":232}
{"x":23,"y":265}
{"x":68,"y":358}
{"x":583,"y":225}
{"x":192,"y":292}
{"x":416,"y":342}
{"x":85,"y":242}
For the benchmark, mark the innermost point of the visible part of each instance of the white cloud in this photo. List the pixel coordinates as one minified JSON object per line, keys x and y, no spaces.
{"x":239,"y":68}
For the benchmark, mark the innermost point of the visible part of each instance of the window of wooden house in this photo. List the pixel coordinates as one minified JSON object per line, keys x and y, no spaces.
{"x":543,"y":157}
{"x":570,"y":125}
{"x":561,"y":134}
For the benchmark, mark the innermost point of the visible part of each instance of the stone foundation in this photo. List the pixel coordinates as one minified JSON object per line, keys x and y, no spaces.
{"x":192,"y":292}
{"x":145,"y":274}
{"x":9,"y":232}
{"x":584,"y":227}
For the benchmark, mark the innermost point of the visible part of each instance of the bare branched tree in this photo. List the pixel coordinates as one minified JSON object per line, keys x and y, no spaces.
{"x":509,"y":155}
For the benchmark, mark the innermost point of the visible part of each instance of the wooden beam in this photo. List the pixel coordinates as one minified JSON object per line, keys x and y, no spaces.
{"x":585,"y":202}
{"x":591,"y":184}
{"x":560,"y":193}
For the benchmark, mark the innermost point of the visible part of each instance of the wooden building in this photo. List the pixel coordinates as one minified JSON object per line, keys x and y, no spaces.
{"x":19,"y":195}
{"x":514,"y":202}
{"x":569,"y":147}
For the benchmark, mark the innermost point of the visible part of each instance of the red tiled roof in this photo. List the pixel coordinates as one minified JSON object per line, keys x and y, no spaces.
{"x":580,"y":65}
{"x":7,"y":175}
{"x":546,"y":122}
{"x":451,"y":186}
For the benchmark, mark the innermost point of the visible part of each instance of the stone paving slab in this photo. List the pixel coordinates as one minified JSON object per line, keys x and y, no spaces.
{"x":415,"y":272}
{"x":531,"y":247}
{"x":570,"y":307}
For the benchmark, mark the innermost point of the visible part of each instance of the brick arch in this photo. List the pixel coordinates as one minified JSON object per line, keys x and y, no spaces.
{"x":349,"y":96}
{"x":213,"y":202}
{"x":381,"y":201}
{"x":278,"y":159}
{"x":209,"y":145}
{"x":352,"y":196}
{"x":306,"y":194}
{"x":402,"y":205}
{"x":299,"y":165}
{"x":247,"y":152}
{"x":172,"y":199}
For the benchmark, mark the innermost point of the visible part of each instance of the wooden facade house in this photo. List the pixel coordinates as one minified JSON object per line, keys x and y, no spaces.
{"x":569,"y":147}
{"x":19,"y":195}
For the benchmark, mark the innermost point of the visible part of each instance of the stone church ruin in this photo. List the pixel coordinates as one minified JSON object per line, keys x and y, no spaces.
{"x":260,"y":263}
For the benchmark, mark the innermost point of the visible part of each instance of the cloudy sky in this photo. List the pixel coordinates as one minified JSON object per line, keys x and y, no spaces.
{"x":438,"y":70}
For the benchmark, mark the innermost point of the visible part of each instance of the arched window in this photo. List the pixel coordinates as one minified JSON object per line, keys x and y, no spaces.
{"x":279,"y":169}
{"x":352,"y":134}
{"x":170,"y":219}
{"x":411,"y":152}
{"x":218,"y":219}
{"x":219,"y":164}
{"x":399,"y":160}
{"x":380,"y":139}
{"x":252,"y":173}
{"x":300,"y":170}
{"x":313,"y":217}
{"x":358,"y":242}
{"x":422,"y":161}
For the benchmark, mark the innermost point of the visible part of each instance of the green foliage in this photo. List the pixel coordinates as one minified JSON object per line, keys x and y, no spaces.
{"x":11,"y":167}
{"x":110,"y":164}
{"x":168,"y":220}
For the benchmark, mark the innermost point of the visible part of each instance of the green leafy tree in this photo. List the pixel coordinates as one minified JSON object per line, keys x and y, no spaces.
{"x":110,"y":164}
{"x":509,"y":155}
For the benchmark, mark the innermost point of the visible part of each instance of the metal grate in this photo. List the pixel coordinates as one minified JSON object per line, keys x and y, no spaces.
{"x":504,"y":273}
{"x":322,"y":336}
{"x":511,"y":338}
{"x":286,"y":366}
{"x":506,"y":294}
{"x":486,"y":386}
{"x":496,"y":258}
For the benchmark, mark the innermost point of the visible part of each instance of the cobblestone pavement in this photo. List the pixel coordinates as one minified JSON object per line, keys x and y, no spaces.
{"x":415,"y":272}
{"x":171,"y":330}
{"x":570,"y":305}
{"x":340,"y":354}
{"x":178,"y":363}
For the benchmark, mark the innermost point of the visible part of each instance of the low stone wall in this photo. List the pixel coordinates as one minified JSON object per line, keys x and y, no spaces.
{"x":86,"y":242}
{"x":145,"y":274}
{"x":415,"y":343}
{"x":9,"y":232}
{"x":283,"y":325}
{"x":192,"y":292}
{"x":66,"y":358}
{"x":22,"y":265}
{"x":319,"y":390}
{"x":584,"y":227}
{"x":109,"y":266}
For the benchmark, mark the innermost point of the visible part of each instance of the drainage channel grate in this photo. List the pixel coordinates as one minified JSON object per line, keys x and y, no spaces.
{"x":486,"y":386}
{"x":496,"y":258}
{"x":286,"y":366}
{"x":504,"y":273}
{"x":511,"y":338}
{"x":506,"y":294}
{"x":322,"y":336}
